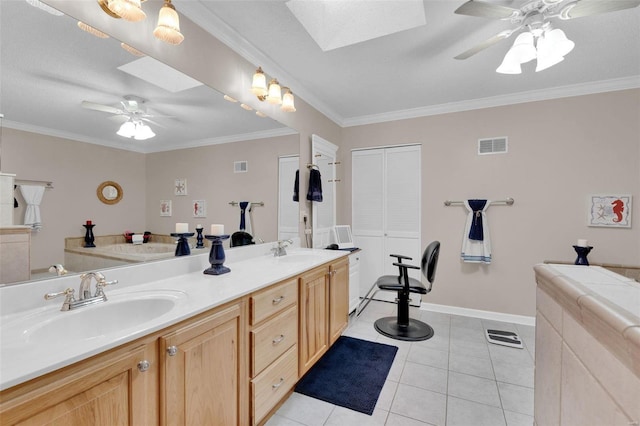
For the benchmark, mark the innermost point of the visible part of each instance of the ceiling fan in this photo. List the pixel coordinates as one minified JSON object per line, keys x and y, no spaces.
{"x":535,"y":15}
{"x":131,"y":115}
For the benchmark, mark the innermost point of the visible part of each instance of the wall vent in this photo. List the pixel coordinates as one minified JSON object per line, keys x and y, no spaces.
{"x":492,"y":146}
{"x":240,"y":167}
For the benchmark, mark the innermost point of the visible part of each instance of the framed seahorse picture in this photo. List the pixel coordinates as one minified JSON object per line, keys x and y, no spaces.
{"x":609,"y":210}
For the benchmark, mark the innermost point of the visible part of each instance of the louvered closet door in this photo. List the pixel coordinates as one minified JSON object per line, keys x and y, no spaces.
{"x":386,"y":211}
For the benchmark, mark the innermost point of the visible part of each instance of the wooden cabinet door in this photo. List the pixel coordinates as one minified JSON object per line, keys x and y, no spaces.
{"x":203,"y":371}
{"x":314,"y":324}
{"x":106,"y":390}
{"x":338,"y":299}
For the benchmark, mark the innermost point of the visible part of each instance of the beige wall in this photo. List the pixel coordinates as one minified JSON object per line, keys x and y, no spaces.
{"x":76,"y":169}
{"x":210,"y":176}
{"x":559,"y":152}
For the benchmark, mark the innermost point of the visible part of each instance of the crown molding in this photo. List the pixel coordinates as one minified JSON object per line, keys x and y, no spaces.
{"x":219,"y":29}
{"x":282,"y":131}
{"x":67,"y":135}
{"x":496,"y":101}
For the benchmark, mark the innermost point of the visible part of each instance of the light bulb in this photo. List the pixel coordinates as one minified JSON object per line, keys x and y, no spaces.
{"x":287,"y":101}
{"x":168,"y":28}
{"x":275,"y":95}
{"x":259,"y":84}
{"x":129,"y":10}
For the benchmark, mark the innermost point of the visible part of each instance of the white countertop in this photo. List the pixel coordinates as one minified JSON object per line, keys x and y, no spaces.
{"x":252,"y":268}
{"x":617,"y":289}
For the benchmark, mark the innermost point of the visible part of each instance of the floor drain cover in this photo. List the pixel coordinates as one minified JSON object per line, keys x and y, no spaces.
{"x":504,"y":338}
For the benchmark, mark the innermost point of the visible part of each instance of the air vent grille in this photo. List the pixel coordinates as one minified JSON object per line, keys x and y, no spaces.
{"x":492,"y":146}
{"x":240,"y":167}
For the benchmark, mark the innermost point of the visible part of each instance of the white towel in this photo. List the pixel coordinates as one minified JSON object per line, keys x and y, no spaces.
{"x":474,"y":251}
{"x":32,"y":195}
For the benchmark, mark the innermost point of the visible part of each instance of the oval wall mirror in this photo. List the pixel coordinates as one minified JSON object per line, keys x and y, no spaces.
{"x":109,"y":192}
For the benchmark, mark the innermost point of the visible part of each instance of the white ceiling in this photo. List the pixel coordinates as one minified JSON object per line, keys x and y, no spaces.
{"x":413,"y":72}
{"x":48,"y":67}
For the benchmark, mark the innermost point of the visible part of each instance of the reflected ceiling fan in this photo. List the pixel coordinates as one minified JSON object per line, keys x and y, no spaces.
{"x":132,"y":114}
{"x":535,"y":17}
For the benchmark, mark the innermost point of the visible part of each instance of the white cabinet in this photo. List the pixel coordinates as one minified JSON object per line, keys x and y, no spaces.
{"x":386,"y":195}
{"x":354,"y":280}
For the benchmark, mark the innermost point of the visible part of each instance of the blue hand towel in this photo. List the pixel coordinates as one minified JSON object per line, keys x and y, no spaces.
{"x":243,"y":208}
{"x":476,"y":232}
{"x":296,"y":186}
{"x":315,"y":186}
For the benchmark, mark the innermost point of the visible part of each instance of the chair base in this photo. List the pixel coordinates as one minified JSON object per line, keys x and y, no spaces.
{"x":415,"y":331}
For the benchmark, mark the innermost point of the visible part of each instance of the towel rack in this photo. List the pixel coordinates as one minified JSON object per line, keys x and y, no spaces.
{"x":509,"y":202}
{"x":46,"y":184}
{"x":311,"y":166}
{"x":252,"y":203}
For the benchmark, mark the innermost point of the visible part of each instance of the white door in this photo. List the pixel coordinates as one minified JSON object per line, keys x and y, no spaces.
{"x":323,"y":214}
{"x":386,"y":212}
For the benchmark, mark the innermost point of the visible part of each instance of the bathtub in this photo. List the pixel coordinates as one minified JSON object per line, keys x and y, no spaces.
{"x":110,"y":255}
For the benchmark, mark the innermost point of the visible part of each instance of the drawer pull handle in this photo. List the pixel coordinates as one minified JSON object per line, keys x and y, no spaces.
{"x":172,"y":350}
{"x":278,"y":300}
{"x":143,"y":365}
{"x":278,"y":339}
{"x":277,"y":385}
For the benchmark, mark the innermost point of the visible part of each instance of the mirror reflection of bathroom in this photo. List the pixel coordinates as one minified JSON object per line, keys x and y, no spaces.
{"x":323,"y":213}
{"x":47,"y":73}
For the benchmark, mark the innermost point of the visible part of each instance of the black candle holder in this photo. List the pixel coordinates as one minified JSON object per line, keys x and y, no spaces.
{"x":582,"y":254}
{"x":88,"y":236}
{"x":182,"y":247}
{"x":199,"y":240}
{"x":216,"y":255}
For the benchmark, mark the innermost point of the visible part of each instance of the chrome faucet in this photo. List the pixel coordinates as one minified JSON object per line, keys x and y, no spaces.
{"x":58,"y":269}
{"x":84,"y":298}
{"x":279,"y":250}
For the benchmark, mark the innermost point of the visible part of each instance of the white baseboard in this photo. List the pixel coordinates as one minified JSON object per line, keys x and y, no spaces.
{"x":490,"y":315}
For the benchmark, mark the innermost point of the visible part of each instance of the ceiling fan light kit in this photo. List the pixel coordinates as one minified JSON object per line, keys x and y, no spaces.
{"x":541,"y":42}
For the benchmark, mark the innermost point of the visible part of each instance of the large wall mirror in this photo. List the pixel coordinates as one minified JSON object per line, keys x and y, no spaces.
{"x":50,"y":68}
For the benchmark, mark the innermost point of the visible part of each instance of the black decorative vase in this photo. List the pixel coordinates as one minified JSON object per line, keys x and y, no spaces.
{"x":582,"y":255}
{"x":182,"y":247}
{"x":88,"y":236}
{"x":216,"y":255}
{"x":199,"y":239}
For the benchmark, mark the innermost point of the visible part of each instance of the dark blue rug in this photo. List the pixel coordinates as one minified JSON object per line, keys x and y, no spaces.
{"x":351,"y":374}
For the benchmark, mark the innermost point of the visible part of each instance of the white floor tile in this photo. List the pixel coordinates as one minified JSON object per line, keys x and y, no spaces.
{"x":343,"y":417}
{"x":474,"y":388}
{"x":518,"y":399}
{"x":461,"y":412}
{"x":474,"y":366}
{"x":424,"y":377}
{"x":306,"y":410}
{"x":420,"y":404}
{"x":455,"y":378}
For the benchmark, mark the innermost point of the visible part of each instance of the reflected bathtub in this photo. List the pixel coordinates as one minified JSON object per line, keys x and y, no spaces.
{"x":110,"y":255}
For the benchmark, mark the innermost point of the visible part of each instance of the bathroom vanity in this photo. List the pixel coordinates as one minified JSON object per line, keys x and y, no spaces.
{"x":587,"y":346}
{"x":223,"y":350}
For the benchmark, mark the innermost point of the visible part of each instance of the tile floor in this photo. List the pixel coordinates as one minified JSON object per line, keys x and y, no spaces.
{"x":456,"y":378}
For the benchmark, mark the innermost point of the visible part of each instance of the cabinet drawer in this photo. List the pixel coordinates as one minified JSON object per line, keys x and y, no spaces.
{"x":273,"y":338}
{"x":274,"y":383}
{"x":272,"y":300}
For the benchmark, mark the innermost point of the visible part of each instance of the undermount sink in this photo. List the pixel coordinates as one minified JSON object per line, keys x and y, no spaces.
{"x":119,"y":313}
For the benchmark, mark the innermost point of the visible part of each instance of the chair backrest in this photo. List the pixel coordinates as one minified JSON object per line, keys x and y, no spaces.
{"x":430,"y":261}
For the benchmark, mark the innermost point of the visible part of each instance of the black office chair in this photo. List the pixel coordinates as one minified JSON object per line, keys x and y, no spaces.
{"x":401,"y":327}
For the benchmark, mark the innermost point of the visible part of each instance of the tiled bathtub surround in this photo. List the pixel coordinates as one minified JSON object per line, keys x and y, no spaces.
{"x":587,"y":347}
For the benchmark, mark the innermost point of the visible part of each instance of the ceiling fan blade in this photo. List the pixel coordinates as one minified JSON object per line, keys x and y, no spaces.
{"x":155,"y":123}
{"x":594,"y":7}
{"x":120,"y":118}
{"x":486,"y":10}
{"x":100,"y":107}
{"x":485,"y":44}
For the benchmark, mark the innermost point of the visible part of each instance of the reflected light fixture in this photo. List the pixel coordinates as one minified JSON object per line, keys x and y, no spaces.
{"x":273,"y":92}
{"x":548,"y":46}
{"x":91,"y":30}
{"x":135,"y":129}
{"x":168,"y":28}
{"x":129,"y":10}
{"x":132,"y":50}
